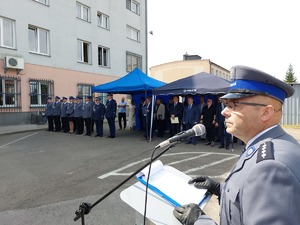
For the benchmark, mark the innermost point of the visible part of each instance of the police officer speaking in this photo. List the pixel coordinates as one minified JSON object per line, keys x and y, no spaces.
{"x":263,"y":187}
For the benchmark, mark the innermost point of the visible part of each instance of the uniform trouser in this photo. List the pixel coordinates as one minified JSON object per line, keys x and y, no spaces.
{"x":50,"y":123}
{"x":88,"y":126}
{"x":147,"y":127}
{"x":175,"y":128}
{"x":210,"y":133}
{"x":222,"y":134}
{"x":57,"y":123}
{"x":65,"y":124}
{"x":160,"y":127}
{"x":112,"y":126}
{"x":120,"y":117}
{"x":78,"y":125}
{"x":99,"y":127}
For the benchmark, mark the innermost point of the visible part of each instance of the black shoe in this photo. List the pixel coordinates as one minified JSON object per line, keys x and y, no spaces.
{"x":227,"y":147}
{"x":194,"y":143}
{"x":112,"y":136}
{"x":109,"y":136}
{"x":188,"y":143}
{"x":221,"y":146}
{"x":96,"y":135}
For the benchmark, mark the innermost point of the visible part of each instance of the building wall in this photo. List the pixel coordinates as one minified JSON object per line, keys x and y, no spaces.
{"x":291,"y":108}
{"x":61,"y":65}
{"x":172,"y":71}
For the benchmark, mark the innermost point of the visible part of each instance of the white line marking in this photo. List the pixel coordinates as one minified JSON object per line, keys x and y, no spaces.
{"x":17,"y":140}
{"x":188,"y":159}
{"x":211,"y":164}
{"x":202,"y":154}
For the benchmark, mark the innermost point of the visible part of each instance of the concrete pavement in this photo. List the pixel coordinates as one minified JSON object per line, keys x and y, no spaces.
{"x":212,"y":208}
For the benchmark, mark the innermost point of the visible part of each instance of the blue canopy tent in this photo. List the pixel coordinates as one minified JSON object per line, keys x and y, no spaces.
{"x":198,"y":84}
{"x":136,"y":83}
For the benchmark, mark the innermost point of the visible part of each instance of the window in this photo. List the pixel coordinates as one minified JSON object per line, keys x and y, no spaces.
{"x":38,"y":40}
{"x":103,"y":20}
{"x":133,"y":34}
{"x":83,"y":51}
{"x":103,"y":97}
{"x":45,"y":2}
{"x":40,"y":90}
{"x":7,"y":33}
{"x":133,"y":61}
{"x":83,"y":12}
{"x":84,"y":90}
{"x":103,"y":56}
{"x":9,"y":87}
{"x":133,"y":6}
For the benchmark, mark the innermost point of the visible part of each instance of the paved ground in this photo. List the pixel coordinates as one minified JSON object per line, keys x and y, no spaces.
{"x":45,"y":175}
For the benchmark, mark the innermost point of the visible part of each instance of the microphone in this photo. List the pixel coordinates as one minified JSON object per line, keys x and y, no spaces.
{"x":197,"y":130}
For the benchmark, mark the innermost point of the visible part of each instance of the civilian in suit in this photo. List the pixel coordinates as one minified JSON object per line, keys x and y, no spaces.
{"x":147,"y":118}
{"x":87,"y":111}
{"x":70,"y":114}
{"x":190,"y":117}
{"x":208,"y":119}
{"x":140,"y":114}
{"x":176,"y":110}
{"x":201,"y":105}
{"x":98,"y":116}
{"x":220,"y":119}
{"x":111,"y":110}
{"x":160,"y":117}
{"x":49,"y":113}
{"x":63,"y":115}
{"x":78,"y":115}
{"x":56,"y":114}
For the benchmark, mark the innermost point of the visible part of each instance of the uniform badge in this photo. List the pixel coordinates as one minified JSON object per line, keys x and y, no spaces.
{"x":265,"y":152}
{"x":250,"y":151}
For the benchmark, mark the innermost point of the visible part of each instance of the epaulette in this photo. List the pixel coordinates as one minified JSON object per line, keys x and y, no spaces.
{"x":265,"y":152}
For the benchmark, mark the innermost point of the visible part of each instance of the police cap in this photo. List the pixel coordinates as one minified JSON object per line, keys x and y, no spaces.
{"x":247,"y":82}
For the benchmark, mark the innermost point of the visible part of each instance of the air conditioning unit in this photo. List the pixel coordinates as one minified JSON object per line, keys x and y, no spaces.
{"x":12,"y":62}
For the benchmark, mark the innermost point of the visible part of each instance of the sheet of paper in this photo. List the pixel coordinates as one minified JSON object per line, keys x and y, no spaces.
{"x":176,"y":187}
{"x":175,"y":120}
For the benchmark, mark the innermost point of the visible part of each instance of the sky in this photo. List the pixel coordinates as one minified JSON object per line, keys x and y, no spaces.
{"x":263,"y":34}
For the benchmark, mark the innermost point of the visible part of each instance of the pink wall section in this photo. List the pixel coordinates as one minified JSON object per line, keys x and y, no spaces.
{"x":65,"y":81}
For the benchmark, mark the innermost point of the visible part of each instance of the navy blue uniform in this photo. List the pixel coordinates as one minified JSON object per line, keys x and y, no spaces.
{"x":190,"y":118}
{"x":49,"y":115}
{"x":56,"y":115}
{"x":98,"y":117}
{"x":111,"y":109}
{"x":64,"y":118}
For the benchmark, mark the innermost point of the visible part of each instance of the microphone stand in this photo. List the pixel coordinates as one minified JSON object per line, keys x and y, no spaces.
{"x":85,"y":208}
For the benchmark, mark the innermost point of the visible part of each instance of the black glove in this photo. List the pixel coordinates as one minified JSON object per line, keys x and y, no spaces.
{"x":188,"y":214}
{"x":207,"y":183}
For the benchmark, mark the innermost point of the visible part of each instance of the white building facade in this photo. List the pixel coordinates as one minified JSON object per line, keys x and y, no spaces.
{"x":62,"y":48}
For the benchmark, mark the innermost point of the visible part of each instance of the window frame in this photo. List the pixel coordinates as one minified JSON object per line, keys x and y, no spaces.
{"x":14,"y":45}
{"x":39,"y":1}
{"x":15,"y":95}
{"x":100,"y":20}
{"x":39,"y":93}
{"x":102,"y":58}
{"x":129,"y":5}
{"x":84,"y":87}
{"x":81,"y":16}
{"x":130,"y":31}
{"x":139,"y":61}
{"x":89,"y":53}
{"x":37,"y":40}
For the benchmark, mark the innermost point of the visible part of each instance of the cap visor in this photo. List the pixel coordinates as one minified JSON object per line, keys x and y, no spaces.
{"x":236,"y":95}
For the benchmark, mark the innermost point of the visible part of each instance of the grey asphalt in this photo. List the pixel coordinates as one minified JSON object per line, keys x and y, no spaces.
{"x":46,"y":175}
